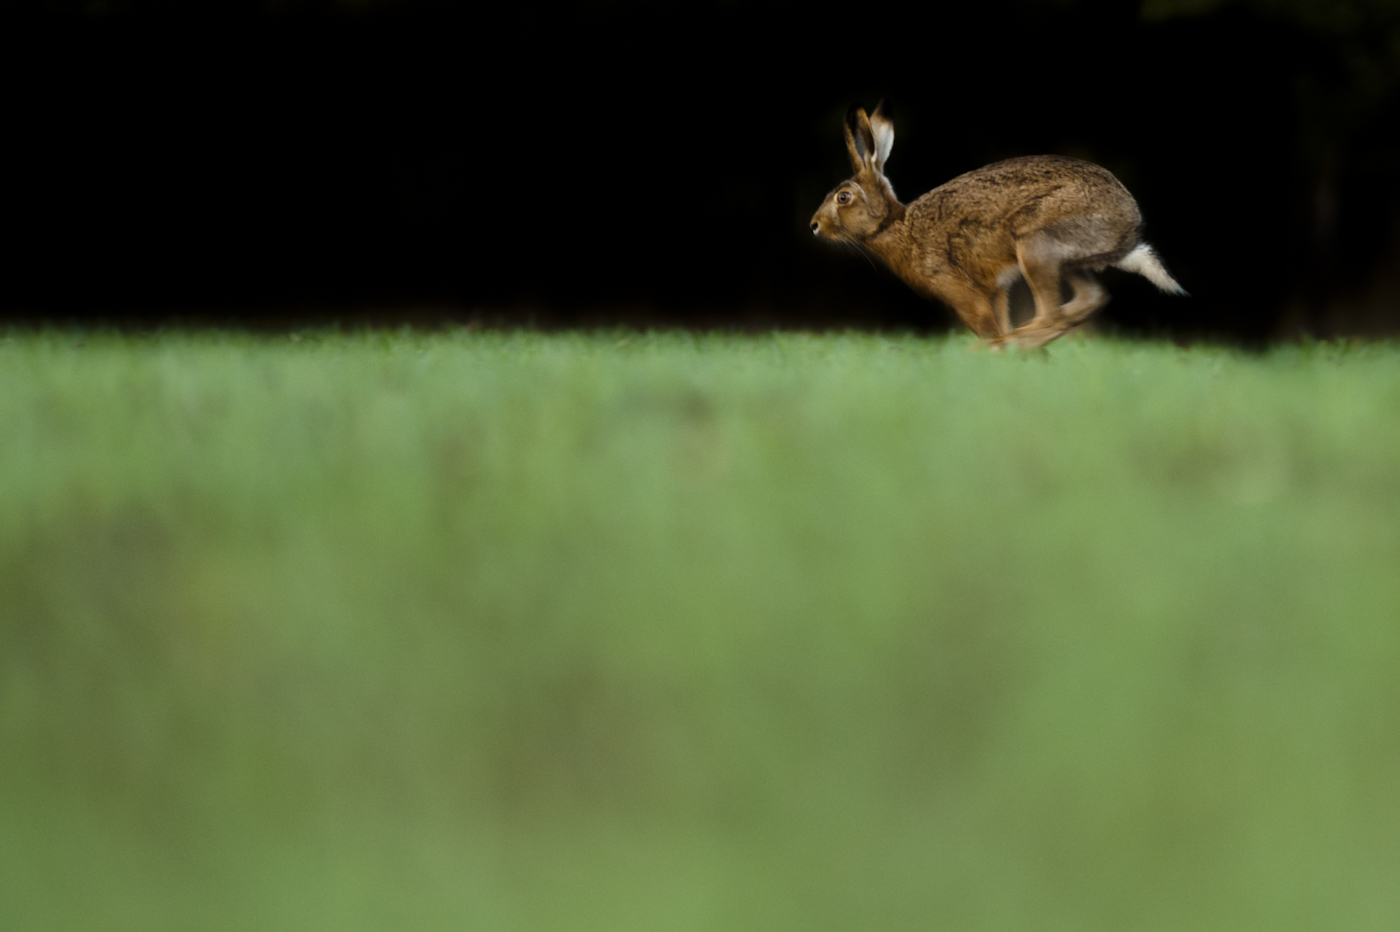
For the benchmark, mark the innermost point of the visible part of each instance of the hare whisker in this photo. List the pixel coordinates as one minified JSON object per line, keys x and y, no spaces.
{"x":864,"y":253}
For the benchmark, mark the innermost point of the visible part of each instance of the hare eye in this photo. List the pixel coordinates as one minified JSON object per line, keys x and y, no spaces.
{"x":844,"y":197}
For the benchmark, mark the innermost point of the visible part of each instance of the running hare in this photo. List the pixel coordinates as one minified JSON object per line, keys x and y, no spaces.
{"x":1044,"y":217}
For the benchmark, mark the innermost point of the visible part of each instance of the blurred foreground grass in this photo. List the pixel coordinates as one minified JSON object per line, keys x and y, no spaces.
{"x":522,"y":632}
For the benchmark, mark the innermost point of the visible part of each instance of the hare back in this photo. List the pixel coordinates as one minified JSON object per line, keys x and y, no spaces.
{"x":1063,"y":196}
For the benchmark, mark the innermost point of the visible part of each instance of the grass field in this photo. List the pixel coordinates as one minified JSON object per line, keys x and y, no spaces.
{"x":676,"y":632}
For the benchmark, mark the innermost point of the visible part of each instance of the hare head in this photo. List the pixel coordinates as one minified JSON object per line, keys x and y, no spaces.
{"x":863,"y":205}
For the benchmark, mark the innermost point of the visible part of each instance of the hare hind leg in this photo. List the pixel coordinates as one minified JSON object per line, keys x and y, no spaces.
{"x":1001,"y":299}
{"x":1089,"y":296}
{"x":1001,"y":310}
{"x":1041,"y":258}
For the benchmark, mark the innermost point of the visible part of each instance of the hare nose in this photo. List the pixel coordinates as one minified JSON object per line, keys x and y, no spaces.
{"x":816,"y":227}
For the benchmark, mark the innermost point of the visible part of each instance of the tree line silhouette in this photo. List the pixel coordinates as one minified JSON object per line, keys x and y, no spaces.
{"x":658,"y":162}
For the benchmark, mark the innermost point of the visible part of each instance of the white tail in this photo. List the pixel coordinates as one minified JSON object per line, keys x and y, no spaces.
{"x":1144,"y":262}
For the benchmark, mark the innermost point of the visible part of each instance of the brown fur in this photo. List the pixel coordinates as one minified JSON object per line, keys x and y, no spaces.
{"x":1046,"y":218}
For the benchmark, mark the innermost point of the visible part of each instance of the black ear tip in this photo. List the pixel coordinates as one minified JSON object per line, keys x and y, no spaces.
{"x":853,"y":114}
{"x":884,"y":109}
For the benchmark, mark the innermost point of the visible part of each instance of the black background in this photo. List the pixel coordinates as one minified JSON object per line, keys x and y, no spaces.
{"x":273,"y":163}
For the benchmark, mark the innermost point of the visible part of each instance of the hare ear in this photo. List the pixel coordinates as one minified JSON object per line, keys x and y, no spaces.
{"x":882,"y":128}
{"x":860,"y":141}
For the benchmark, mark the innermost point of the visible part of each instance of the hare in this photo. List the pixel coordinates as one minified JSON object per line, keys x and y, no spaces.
{"x":1046,"y":218}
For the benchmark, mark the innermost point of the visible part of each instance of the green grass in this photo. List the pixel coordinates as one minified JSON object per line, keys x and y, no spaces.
{"x":674,"y":632}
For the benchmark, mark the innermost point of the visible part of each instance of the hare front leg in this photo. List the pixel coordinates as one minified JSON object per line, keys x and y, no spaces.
{"x":976,"y":308}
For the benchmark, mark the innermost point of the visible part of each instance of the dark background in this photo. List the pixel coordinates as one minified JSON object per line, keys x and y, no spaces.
{"x":276,"y":163}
